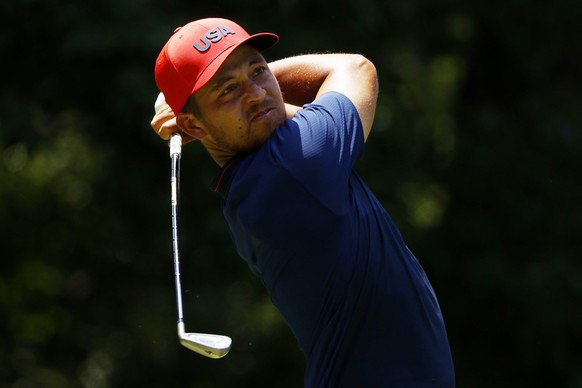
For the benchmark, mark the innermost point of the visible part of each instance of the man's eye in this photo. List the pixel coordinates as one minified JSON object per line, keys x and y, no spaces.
{"x":228,"y":89}
{"x":259,"y":70}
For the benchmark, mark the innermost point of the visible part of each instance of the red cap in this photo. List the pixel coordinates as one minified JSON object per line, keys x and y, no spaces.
{"x":195,"y":53}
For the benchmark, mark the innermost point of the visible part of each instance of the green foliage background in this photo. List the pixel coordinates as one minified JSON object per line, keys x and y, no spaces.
{"x":476,"y":152}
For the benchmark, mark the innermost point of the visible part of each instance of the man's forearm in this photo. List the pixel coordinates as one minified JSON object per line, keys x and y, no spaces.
{"x":301,"y":77}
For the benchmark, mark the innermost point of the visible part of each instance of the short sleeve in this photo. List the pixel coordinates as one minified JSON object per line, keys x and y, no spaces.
{"x":320,"y":146}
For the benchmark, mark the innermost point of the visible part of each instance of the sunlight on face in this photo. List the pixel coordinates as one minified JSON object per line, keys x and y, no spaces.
{"x":241,"y":105}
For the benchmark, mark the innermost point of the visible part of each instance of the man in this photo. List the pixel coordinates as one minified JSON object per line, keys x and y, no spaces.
{"x":286,"y":136}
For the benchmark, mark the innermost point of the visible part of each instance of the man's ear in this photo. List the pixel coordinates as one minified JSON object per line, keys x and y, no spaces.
{"x":191,"y":125}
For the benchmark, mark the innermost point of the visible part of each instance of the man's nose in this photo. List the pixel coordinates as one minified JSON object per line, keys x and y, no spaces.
{"x":254,"y":92}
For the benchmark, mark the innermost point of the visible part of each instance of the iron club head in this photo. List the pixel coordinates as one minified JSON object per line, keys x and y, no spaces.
{"x":209,"y":345}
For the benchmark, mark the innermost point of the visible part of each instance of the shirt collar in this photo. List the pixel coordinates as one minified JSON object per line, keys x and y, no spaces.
{"x":222,"y":179}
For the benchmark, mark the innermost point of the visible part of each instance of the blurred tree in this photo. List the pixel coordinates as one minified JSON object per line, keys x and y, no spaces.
{"x":475,"y":153}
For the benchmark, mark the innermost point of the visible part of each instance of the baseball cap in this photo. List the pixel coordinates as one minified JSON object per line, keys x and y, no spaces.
{"x":195,"y":52}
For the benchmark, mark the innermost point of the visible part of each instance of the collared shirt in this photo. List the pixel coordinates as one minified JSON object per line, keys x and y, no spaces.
{"x":331,"y":258}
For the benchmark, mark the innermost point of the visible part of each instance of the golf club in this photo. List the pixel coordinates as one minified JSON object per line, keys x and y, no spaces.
{"x":209,"y":345}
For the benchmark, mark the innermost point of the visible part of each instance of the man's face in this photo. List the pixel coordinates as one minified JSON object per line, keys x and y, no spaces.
{"x":242,"y":104}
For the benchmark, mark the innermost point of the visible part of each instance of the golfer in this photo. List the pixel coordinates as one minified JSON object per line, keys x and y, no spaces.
{"x":286,"y":136}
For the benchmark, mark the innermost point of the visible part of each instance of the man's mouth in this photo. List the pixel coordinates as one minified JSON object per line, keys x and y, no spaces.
{"x":261,"y":114}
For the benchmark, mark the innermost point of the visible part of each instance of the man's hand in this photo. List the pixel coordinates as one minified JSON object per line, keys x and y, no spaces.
{"x":164,"y":124}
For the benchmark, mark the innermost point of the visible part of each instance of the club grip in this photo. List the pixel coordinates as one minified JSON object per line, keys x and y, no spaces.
{"x":176,"y":144}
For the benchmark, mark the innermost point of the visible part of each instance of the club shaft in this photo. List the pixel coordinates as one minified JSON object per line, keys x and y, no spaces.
{"x":175,"y":155}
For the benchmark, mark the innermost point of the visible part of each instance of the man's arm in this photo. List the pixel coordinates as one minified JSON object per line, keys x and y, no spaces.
{"x":304,"y":78}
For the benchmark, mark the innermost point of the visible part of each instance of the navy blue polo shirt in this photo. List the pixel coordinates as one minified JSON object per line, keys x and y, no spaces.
{"x":333,"y":261}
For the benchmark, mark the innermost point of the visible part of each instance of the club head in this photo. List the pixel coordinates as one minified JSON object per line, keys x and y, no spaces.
{"x":208,"y":345}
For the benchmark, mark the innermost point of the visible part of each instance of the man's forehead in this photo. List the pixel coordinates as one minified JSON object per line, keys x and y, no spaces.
{"x":243,"y":56}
